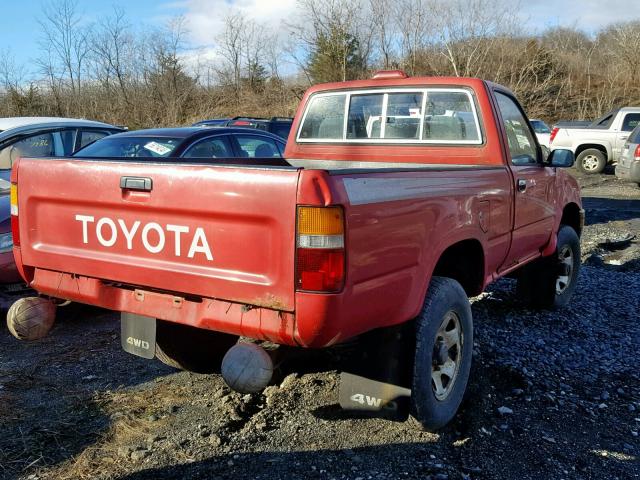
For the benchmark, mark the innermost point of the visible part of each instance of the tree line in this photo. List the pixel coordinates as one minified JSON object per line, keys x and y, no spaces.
{"x":121,"y":73}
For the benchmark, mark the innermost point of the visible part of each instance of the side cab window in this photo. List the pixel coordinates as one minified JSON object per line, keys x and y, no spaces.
{"x":520,"y":138}
{"x":631,"y":121}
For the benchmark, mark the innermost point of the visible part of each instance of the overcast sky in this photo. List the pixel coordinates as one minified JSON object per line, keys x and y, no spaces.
{"x":19,"y":29}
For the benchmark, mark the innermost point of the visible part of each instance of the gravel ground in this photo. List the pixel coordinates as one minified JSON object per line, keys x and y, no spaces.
{"x":552,"y":394}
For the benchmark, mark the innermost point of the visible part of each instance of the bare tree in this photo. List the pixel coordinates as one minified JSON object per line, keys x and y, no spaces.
{"x":65,"y":41}
{"x":112,"y":46}
{"x":231,"y":45}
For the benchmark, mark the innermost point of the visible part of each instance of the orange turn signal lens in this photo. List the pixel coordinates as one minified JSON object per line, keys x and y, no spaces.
{"x":320,"y":221}
{"x":13,"y":199}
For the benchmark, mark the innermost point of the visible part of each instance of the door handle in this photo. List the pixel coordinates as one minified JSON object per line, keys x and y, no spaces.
{"x":143,"y":184}
{"x":522,"y":185}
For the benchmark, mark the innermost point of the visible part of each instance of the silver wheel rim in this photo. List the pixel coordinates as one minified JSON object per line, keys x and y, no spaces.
{"x":566,"y":261}
{"x":447,"y":356}
{"x":590,"y":163}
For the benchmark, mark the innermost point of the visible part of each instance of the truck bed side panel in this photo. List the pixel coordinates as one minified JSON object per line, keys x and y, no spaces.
{"x":398,"y":224}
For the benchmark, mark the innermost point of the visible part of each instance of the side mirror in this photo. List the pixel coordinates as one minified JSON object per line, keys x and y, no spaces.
{"x":561,"y":158}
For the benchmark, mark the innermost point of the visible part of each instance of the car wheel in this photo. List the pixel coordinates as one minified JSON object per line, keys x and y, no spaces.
{"x":192,"y":349}
{"x":550,"y":282}
{"x":591,"y":160}
{"x":444,"y":344}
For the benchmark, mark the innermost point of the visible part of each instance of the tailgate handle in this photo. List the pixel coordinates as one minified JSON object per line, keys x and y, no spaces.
{"x":136,"y":183}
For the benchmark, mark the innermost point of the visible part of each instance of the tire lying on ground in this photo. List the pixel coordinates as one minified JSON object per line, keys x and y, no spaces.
{"x":550,"y":282}
{"x":31,"y":318}
{"x":192,"y":349}
{"x":444,"y":345}
{"x":591,"y":160}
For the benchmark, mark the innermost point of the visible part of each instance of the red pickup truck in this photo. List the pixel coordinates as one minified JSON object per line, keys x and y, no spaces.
{"x":401,"y":198}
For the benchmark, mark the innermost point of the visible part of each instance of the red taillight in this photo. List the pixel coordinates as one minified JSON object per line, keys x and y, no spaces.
{"x":242,"y":123}
{"x":320,"y":256}
{"x":320,"y":270}
{"x":636,"y":154}
{"x":554,"y":132}
{"x":15,"y":231}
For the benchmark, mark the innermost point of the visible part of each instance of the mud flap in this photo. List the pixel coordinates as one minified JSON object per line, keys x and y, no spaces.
{"x":377,"y":380}
{"x":138,"y":335}
{"x":379,"y":398}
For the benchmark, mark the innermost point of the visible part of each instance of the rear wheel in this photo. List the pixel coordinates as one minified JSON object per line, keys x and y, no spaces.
{"x":193,"y":349}
{"x":549,"y":282}
{"x":444,"y":343}
{"x":591,"y":160}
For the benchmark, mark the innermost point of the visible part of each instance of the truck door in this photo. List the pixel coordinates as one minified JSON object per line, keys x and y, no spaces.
{"x":533,"y":184}
{"x":623,"y":129}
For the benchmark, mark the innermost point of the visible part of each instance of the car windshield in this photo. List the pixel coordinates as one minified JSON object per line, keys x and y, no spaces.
{"x":127,"y":146}
{"x":540,"y":127}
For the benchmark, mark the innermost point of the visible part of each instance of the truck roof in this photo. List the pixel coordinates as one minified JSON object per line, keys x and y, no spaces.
{"x":399,"y":80}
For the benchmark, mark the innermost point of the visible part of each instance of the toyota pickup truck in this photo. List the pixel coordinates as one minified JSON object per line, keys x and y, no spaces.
{"x":600,"y":143}
{"x":400,"y":198}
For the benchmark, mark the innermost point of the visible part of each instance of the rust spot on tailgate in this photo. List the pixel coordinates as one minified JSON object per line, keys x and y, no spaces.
{"x":269,"y":301}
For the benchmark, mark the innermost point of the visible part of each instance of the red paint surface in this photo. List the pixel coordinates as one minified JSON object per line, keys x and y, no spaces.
{"x":391,"y":245}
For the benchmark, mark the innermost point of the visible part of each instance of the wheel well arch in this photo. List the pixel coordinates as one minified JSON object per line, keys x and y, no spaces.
{"x":463,"y":261}
{"x":571,"y":217}
{"x":597,"y":146}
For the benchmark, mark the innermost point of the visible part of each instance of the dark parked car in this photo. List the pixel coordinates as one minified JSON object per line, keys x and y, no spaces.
{"x":189,"y":142}
{"x":36,"y":137}
{"x":277,"y":125}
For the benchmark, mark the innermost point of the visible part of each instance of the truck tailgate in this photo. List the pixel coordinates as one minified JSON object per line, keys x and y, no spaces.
{"x":211,"y":231}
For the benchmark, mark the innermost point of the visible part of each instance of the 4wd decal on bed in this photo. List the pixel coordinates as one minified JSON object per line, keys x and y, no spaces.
{"x":108,"y":231}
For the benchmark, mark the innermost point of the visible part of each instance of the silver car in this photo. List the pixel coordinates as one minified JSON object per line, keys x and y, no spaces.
{"x":628,"y":167}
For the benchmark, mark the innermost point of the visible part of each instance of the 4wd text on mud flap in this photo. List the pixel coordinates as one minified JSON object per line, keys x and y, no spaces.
{"x":136,"y":342}
{"x":363,"y":399}
{"x":106,"y":233}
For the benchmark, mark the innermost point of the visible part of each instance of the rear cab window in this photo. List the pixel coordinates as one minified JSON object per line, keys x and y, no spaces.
{"x":408,"y":115}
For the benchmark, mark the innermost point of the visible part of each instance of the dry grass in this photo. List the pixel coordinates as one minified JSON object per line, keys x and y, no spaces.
{"x":131,"y":426}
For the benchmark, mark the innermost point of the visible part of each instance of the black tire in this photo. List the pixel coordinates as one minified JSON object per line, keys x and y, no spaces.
{"x":444,"y":297}
{"x":591,"y":161}
{"x":192,"y":349}
{"x":539,"y":283}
